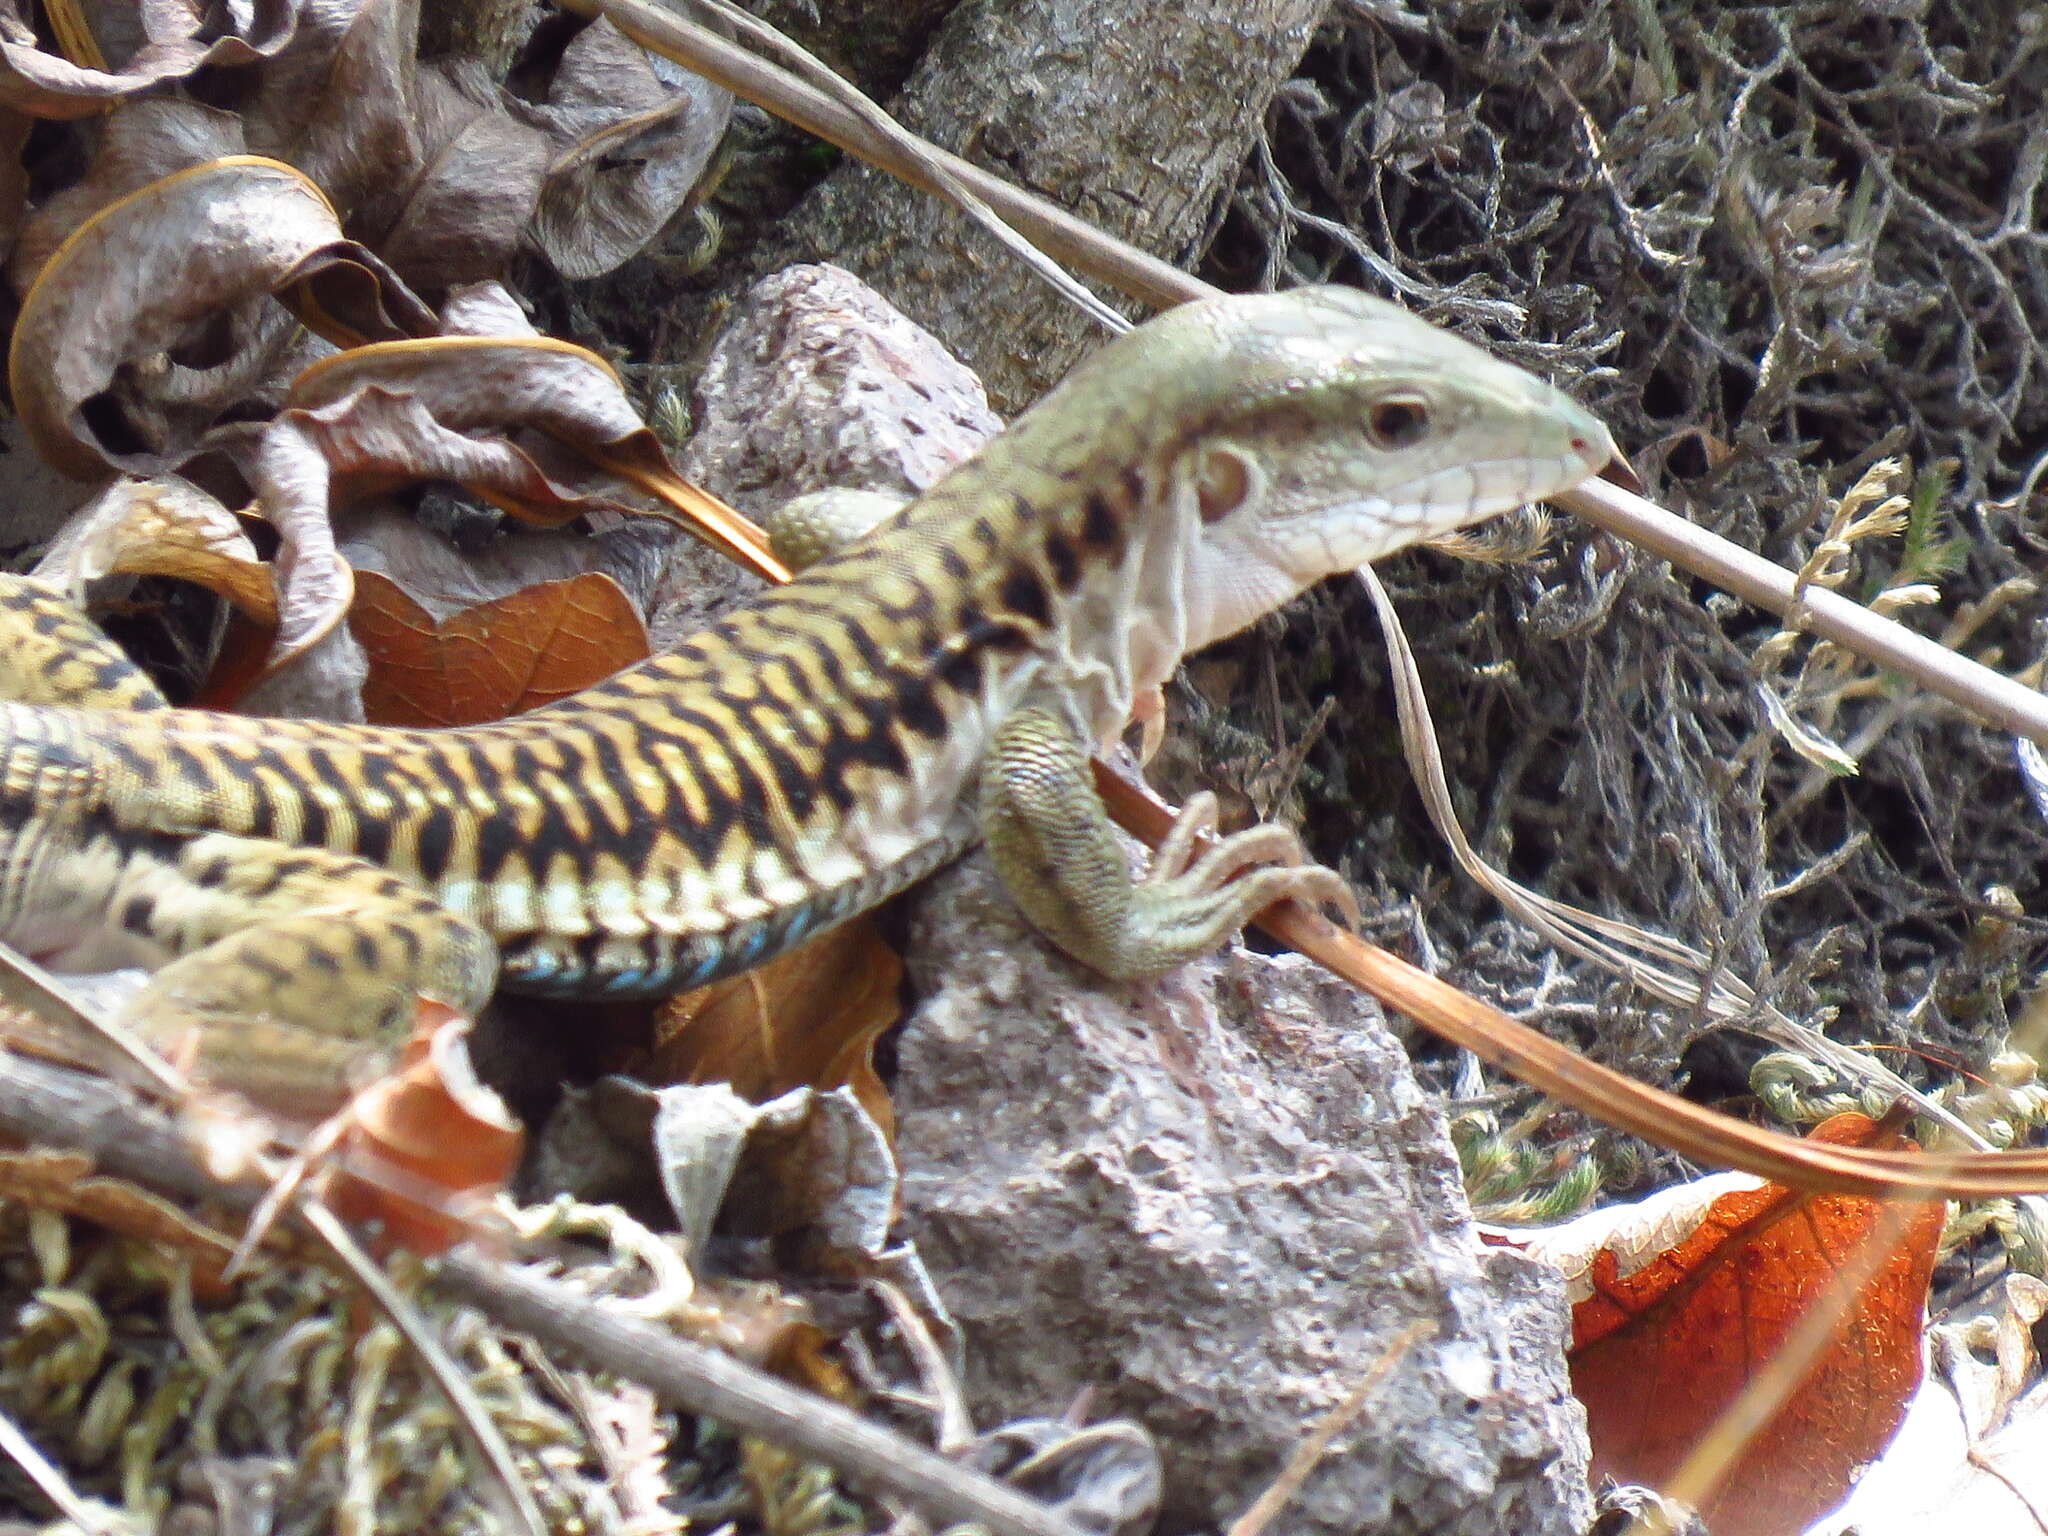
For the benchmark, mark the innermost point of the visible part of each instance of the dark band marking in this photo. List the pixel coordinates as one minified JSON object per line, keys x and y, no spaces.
{"x":1023,"y":593}
{"x":1064,"y":560}
{"x":1100,"y":530}
{"x":434,"y":842}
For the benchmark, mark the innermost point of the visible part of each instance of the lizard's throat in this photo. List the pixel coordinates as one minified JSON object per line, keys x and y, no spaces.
{"x":1224,"y":594}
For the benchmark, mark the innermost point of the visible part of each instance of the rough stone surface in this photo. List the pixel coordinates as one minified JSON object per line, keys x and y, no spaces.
{"x":819,"y":381}
{"x":1214,"y":1204}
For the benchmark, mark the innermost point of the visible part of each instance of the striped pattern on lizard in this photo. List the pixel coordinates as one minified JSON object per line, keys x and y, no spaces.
{"x":819,"y":749}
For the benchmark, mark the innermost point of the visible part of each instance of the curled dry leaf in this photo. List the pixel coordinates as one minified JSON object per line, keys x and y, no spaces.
{"x":535,"y":426}
{"x":477,"y":175}
{"x":806,"y":1167}
{"x":502,"y":658}
{"x":1680,"y":1300}
{"x":636,"y":136}
{"x":520,"y":421}
{"x":429,"y":1145}
{"x":343,"y":105}
{"x":808,"y":1019}
{"x":147,"y":275}
{"x":485,"y":309}
{"x":161,"y":527}
{"x":173,"y":39}
{"x":143,"y":142}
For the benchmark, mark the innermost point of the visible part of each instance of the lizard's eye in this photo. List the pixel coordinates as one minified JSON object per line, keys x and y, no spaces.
{"x":1400,"y":422}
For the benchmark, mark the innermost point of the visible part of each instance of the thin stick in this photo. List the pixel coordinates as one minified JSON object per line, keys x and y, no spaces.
{"x":1316,"y":1444}
{"x":1049,"y":227}
{"x":710,"y":1382}
{"x":58,"y":1107}
{"x":1996,"y":700}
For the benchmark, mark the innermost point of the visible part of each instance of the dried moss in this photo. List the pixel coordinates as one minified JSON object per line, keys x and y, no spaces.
{"x":1771,"y":245}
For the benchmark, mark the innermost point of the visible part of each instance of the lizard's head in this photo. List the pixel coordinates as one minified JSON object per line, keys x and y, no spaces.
{"x":1325,"y":428}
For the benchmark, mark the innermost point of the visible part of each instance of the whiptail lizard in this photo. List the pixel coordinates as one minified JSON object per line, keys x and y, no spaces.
{"x":938,"y":682}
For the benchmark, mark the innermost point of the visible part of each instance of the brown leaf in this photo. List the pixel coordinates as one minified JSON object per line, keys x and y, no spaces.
{"x":157,"y":272}
{"x":538,"y":427}
{"x":142,"y":142}
{"x":498,"y":659}
{"x":161,"y":527}
{"x":807,"y":1019}
{"x":338,"y":105}
{"x":1691,"y":1298}
{"x":474,"y":394}
{"x":474,"y":186}
{"x":176,"y":38}
{"x":634,"y":135}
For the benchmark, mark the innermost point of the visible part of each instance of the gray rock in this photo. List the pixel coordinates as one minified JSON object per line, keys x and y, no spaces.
{"x":817,"y":382}
{"x":820,"y":381}
{"x":1213,"y":1205}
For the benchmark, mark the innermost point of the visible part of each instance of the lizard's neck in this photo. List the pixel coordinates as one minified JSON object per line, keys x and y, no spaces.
{"x":1069,"y":573}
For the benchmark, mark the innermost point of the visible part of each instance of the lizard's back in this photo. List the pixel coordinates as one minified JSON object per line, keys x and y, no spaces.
{"x":795,"y":762}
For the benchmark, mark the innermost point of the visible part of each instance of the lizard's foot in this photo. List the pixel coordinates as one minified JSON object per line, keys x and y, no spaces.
{"x":1194,"y":896}
{"x":1053,"y":845}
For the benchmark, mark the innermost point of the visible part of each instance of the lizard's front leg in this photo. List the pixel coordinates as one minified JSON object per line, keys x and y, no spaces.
{"x":1057,"y":853}
{"x":297,"y":969}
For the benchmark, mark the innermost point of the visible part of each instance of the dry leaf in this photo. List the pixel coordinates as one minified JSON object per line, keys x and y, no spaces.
{"x":480,"y":175}
{"x":95,"y":365}
{"x":1681,"y":1299}
{"x":450,"y":409}
{"x":143,"y":142}
{"x":807,"y":1019}
{"x":502,"y":658}
{"x":161,"y":527}
{"x":65,"y":1181}
{"x":806,"y":1167}
{"x":177,"y":37}
{"x":485,"y":309}
{"x":535,"y":426}
{"x":635,"y":135}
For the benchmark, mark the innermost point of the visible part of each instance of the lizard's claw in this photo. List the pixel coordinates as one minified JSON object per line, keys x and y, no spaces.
{"x":1217,"y":888}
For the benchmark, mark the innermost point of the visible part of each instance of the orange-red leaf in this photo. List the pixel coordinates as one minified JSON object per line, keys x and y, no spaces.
{"x":428,"y":1144}
{"x":1660,"y":1351}
{"x":501,"y":658}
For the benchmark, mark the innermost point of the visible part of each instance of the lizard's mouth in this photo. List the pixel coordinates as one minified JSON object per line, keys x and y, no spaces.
{"x":1357,"y":532}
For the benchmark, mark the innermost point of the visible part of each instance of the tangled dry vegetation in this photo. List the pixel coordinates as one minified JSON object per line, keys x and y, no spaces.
{"x":1779,"y":247}
{"x":1775,"y":245}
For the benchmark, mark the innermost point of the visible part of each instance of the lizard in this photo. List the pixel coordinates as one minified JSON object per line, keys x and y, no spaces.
{"x":299,"y":885}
